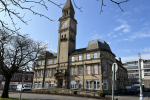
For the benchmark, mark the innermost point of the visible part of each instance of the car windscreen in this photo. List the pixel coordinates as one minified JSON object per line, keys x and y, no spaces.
{"x":128,"y":87}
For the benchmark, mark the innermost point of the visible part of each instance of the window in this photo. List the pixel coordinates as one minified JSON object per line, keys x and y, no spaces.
{"x":73,"y":85}
{"x":88,"y":56}
{"x":105,"y":86}
{"x":62,"y":36}
{"x":65,"y":35}
{"x":42,"y":63}
{"x":48,"y":62}
{"x":88,"y":70}
{"x":72,"y":58}
{"x":41,"y":73}
{"x":36,"y":75}
{"x":29,"y":78}
{"x":47,"y":73}
{"x":72,"y":71}
{"x":46,"y":85}
{"x":95,"y":55}
{"x":53,"y":72}
{"x":0,"y":78}
{"x":80,"y":58}
{"x":96,"y":85}
{"x":39,"y":85}
{"x":53,"y":61}
{"x":80,"y":84}
{"x":88,"y":84}
{"x":38,"y":63}
{"x":79,"y":71}
{"x":51,"y":83}
{"x":16,"y":77}
{"x":95,"y":69}
{"x":35,"y":85}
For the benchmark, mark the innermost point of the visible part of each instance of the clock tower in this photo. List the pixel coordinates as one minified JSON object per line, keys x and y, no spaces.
{"x":67,"y":33}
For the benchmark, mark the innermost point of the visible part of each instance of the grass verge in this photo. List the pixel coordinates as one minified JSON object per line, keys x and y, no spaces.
{"x":11,"y":98}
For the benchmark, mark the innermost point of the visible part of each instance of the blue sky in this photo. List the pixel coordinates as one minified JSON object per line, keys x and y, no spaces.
{"x":126,"y":32}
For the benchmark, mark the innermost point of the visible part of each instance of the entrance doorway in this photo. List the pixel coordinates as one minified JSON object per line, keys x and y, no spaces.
{"x":60,"y":84}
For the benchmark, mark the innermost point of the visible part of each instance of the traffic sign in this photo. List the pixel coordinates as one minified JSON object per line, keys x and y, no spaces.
{"x":116,"y":67}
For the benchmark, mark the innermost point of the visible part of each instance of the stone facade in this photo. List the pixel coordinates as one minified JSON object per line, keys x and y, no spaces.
{"x":71,"y":68}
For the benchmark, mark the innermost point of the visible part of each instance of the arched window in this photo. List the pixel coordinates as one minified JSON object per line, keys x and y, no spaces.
{"x":65,"y":35}
{"x":62,"y":36}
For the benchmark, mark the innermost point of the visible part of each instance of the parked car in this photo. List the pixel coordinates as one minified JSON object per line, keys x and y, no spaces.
{"x":24,"y":87}
{"x":130,"y":89}
{"x":145,"y":90}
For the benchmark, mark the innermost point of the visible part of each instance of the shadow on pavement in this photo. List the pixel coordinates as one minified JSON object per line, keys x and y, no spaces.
{"x":132,"y":95}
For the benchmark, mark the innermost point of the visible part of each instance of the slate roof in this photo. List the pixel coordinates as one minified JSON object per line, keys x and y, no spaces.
{"x":95,"y":44}
{"x":68,"y":5}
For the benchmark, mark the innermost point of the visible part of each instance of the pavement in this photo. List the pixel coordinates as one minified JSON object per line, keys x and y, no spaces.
{"x":146,"y":96}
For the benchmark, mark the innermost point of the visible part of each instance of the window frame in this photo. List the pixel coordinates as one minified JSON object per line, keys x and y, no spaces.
{"x":48,"y":62}
{"x":51,"y":83}
{"x":89,"y":85}
{"x":42,"y":63}
{"x":73,"y":84}
{"x":72,"y":71}
{"x":34,"y":84}
{"x":53,"y":72}
{"x":29,"y":78}
{"x":96,"y":85}
{"x":39,"y":83}
{"x":79,"y":70}
{"x":88,"y":55}
{"x":88,"y":70}
{"x":95,"y":70}
{"x":54,"y":61}
{"x":72,"y":58}
{"x":47,"y":73}
{"x":105,"y":81}
{"x":79,"y":57}
{"x":94,"y":55}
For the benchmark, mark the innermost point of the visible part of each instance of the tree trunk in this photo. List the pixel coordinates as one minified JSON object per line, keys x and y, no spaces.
{"x":6,"y":88}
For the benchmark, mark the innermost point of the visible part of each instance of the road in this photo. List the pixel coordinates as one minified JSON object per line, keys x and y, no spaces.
{"x":59,"y":97}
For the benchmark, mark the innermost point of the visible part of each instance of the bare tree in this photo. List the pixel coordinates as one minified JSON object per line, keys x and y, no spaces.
{"x":7,"y":8}
{"x":16,"y":53}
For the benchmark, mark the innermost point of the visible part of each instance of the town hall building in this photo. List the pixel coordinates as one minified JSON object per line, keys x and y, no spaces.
{"x":71,"y":68}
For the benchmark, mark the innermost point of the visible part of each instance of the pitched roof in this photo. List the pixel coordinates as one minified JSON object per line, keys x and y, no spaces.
{"x":98,"y":44}
{"x":68,"y":5}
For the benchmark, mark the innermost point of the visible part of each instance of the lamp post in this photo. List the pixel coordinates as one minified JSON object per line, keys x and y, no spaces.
{"x":140,"y":78}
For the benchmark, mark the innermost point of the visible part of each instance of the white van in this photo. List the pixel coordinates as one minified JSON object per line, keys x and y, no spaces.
{"x":25,"y":87}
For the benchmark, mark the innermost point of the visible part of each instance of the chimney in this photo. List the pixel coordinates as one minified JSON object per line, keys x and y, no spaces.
{"x":119,"y":59}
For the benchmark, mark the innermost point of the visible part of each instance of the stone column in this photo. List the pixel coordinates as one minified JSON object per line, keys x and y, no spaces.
{"x":100,"y":73}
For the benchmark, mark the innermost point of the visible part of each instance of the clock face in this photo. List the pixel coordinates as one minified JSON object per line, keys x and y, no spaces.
{"x":72,"y":25}
{"x":63,"y":25}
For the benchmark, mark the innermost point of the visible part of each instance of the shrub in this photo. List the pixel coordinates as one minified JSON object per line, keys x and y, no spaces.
{"x":74,"y":92}
{"x":101,"y":94}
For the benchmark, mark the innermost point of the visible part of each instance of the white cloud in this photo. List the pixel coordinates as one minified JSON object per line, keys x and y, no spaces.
{"x":110,"y":34}
{"x":134,"y":58}
{"x":120,"y":27}
{"x":115,"y":36}
{"x":126,"y":30}
{"x":147,"y":23}
{"x":124,"y":26}
{"x":146,"y":49}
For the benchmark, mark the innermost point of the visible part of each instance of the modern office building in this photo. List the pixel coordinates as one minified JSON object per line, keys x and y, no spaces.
{"x":133,"y":72}
{"x":87,"y":68}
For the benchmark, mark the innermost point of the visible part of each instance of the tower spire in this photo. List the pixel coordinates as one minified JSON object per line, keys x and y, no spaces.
{"x":68,"y":5}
